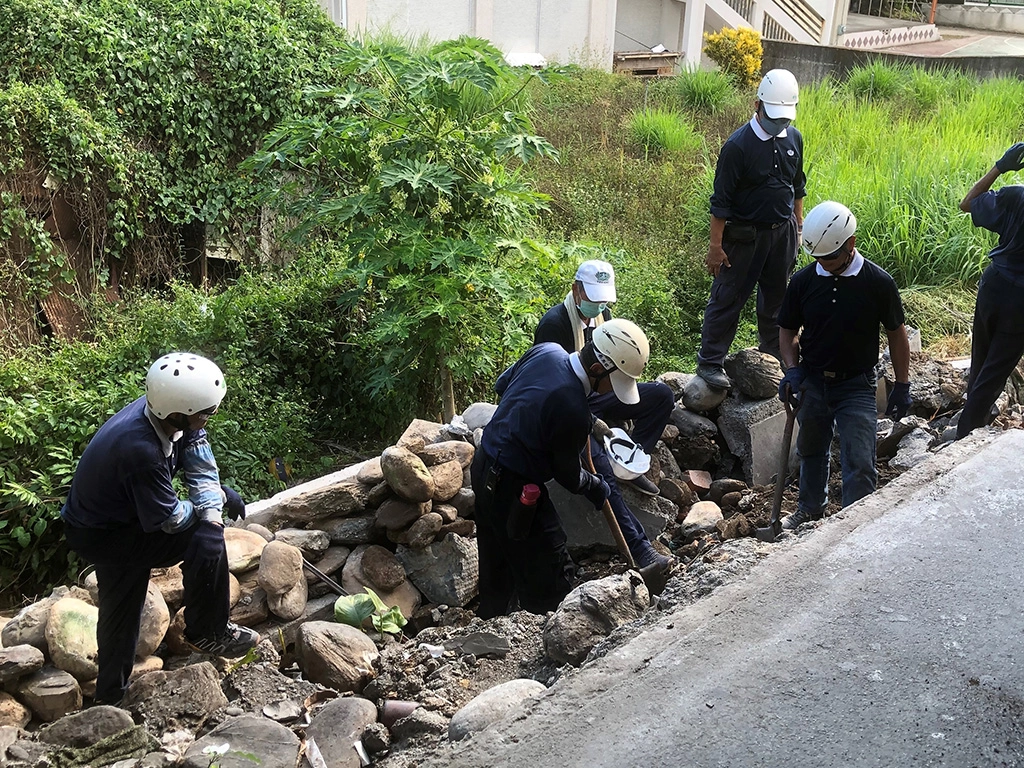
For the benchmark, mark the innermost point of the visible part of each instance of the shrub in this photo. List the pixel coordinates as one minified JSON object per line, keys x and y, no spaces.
{"x":705,"y":90}
{"x":737,"y":52}
{"x":659,"y":131}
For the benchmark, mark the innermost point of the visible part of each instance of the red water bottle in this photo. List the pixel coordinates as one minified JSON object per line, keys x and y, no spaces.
{"x":520,"y":517}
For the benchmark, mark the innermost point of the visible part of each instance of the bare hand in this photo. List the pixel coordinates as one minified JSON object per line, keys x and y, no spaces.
{"x":716,"y":260}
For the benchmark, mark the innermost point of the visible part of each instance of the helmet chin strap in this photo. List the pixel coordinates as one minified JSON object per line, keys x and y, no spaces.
{"x":178,"y":420}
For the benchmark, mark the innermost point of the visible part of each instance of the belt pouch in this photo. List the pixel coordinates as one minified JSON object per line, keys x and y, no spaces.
{"x":739,"y":233}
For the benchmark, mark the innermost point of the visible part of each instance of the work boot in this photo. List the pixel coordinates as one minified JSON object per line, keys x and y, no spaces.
{"x":655,"y":569}
{"x":714,"y":375}
{"x":798,"y":518}
{"x":233,"y":642}
{"x":648,"y":555}
{"x":645,"y":486}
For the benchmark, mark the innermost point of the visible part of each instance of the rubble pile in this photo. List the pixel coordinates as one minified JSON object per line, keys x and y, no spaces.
{"x":402,"y":525}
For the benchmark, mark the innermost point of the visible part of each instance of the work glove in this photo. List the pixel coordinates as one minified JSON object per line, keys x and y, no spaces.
{"x":598,"y":491}
{"x":793,"y":382}
{"x":899,"y":399}
{"x":234,"y":505}
{"x":1013,"y":159}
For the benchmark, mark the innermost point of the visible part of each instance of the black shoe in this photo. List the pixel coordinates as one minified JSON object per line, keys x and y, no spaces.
{"x":714,"y":376}
{"x":650,"y":556}
{"x":645,"y":486}
{"x":798,"y":518}
{"x":233,"y":642}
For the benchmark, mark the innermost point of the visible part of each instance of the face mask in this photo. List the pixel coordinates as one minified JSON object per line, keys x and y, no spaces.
{"x":773,"y":126}
{"x":589,"y":309}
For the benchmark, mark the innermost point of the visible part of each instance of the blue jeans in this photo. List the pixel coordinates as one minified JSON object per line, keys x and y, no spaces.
{"x":850,"y":406}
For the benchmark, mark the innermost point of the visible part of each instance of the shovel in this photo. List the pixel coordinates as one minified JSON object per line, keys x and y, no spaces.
{"x":775,"y":525}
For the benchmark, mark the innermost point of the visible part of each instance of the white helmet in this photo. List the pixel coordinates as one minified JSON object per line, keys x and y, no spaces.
{"x":183,"y":383}
{"x":779,"y":93}
{"x":628,"y":459}
{"x":624,"y":345}
{"x":827,"y":227}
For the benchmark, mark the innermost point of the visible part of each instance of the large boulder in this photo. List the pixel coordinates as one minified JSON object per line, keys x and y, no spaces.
{"x":281,"y":577}
{"x":18,"y":661}
{"x":754,"y":373}
{"x":478,"y":415}
{"x":397,"y":514}
{"x":699,"y":397}
{"x":338,"y":725}
{"x":494,"y":704}
{"x":335,"y":655}
{"x":695,"y":446}
{"x":313,"y":543}
{"x":71,"y":637}
{"x":85,"y":728}
{"x":171,"y":583}
{"x":244,"y":548}
{"x":339,"y":494}
{"x":351,"y":531}
{"x":250,"y":741}
{"x":703,"y":517}
{"x":420,"y":533}
{"x":28,"y":627}
{"x":181,"y":699}
{"x":447,"y":479}
{"x":50,"y":693}
{"x":446,"y":572}
{"x":448,"y":450}
{"x":156,"y":618}
{"x":753,"y":431}
{"x":406,"y":473}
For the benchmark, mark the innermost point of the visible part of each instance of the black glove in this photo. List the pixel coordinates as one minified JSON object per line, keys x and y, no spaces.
{"x":234,"y":505}
{"x":597,"y":492}
{"x":1013,"y":159}
{"x":793,"y":381}
{"x":899,"y":399}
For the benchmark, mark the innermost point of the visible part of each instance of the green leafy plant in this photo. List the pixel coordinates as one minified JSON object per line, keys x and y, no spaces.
{"x":737,"y":52}
{"x":354,"y":610}
{"x":704,"y":90}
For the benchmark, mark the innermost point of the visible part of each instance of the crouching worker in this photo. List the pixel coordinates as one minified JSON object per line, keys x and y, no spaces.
{"x":124,"y":516}
{"x":535,"y":435}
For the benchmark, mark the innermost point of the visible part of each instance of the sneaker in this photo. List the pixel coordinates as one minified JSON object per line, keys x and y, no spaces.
{"x":798,"y":518}
{"x":714,"y":376}
{"x":233,"y":642}
{"x":645,"y":486}
{"x":650,"y":556}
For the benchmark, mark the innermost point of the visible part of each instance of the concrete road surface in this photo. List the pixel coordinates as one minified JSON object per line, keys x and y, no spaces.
{"x":891,"y":636}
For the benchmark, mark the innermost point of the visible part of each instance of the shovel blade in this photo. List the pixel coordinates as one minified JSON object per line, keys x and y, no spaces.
{"x":768,"y":534}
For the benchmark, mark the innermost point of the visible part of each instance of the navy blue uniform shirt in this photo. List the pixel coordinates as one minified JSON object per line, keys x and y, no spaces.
{"x":840,"y":316}
{"x":124,"y":477}
{"x":543,"y":420}
{"x":1002,"y":212}
{"x":758,"y":181}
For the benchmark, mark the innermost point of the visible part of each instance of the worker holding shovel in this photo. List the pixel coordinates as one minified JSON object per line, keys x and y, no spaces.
{"x":570,"y":325}
{"x":537,"y":434}
{"x":839,"y":302}
{"x":124,"y":516}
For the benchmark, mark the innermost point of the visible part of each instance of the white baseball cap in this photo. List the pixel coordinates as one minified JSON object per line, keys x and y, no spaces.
{"x":598,"y":278}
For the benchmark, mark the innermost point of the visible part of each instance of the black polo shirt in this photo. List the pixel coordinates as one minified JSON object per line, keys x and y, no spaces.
{"x":840,"y":316}
{"x":1002,"y":211}
{"x":757,"y":181}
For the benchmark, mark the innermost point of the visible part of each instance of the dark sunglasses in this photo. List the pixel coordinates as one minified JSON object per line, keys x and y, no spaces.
{"x":208,"y":411}
{"x":841,"y":251}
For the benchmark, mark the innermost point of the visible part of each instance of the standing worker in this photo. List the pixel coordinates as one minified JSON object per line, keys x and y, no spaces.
{"x":124,"y":516}
{"x":537,"y":433}
{"x":839,"y":301}
{"x":998,"y":333}
{"x":756,"y":215}
{"x":571,"y":324}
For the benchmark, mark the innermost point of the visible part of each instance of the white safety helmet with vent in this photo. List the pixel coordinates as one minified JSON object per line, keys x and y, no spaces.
{"x":627,"y":458}
{"x":827,"y":227}
{"x":624,"y":345}
{"x":182,"y":382}
{"x":779,"y":93}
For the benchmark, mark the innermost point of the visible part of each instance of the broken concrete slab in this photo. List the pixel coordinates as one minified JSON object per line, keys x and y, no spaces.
{"x":753,"y":431}
{"x":585,"y":527}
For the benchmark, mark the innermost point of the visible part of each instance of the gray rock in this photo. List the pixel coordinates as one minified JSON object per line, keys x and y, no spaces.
{"x":888,"y":443}
{"x":667,"y":462}
{"x":335,"y":655}
{"x":725,"y":485}
{"x":691,"y":424}
{"x":448,"y":513}
{"x":244,"y":548}
{"x":378,"y":494}
{"x":350,"y":531}
{"x":676,"y":382}
{"x":494,"y":704}
{"x":252,"y":741}
{"x":700,"y":398}
{"x":156,"y":699}
{"x":337,"y":726}
{"x":292,"y":603}
{"x":754,"y":373}
{"x":420,"y":533}
{"x":913,"y":450}
{"x":171,"y":585}
{"x":376,"y":738}
{"x":396,"y":514}
{"x":370,"y":472}
{"x":703,"y":517}
{"x":420,"y":723}
{"x":156,"y":618}
{"x":84,"y":729}
{"x":738,"y":420}
{"x":50,"y":693}
{"x":448,"y":450}
{"x":28,"y":627}
{"x":332,"y":561}
{"x":420,"y":433}
{"x":446,"y":572}
{"x":591,"y":612}
{"x":447,"y":479}
{"x":71,"y":637}
{"x":585,"y":528}
{"x":262,"y":530}
{"x":335,"y":495}
{"x":464,"y":501}
{"x":382,"y":568}
{"x":478,"y":415}
{"x":18,"y":661}
{"x":313,"y":543}
{"x":8,"y":735}
{"x":354,"y":581}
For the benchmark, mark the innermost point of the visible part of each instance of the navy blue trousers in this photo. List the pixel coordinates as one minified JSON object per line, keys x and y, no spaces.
{"x":123,"y":559}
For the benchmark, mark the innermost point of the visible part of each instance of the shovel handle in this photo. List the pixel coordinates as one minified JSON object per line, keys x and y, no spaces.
{"x":780,"y":478}
{"x":609,"y":518}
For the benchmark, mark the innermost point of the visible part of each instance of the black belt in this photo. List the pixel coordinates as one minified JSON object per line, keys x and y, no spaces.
{"x":764,"y":225}
{"x":835,"y":376}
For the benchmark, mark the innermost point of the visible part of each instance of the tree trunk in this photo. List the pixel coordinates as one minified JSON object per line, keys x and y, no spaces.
{"x":447,"y":392}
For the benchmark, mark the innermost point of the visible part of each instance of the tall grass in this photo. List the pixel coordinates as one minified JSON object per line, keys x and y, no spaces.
{"x":705,"y":90}
{"x":658,"y":130}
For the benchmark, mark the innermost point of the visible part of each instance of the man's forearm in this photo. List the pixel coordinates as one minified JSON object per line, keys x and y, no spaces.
{"x":899,"y":351}
{"x":981,"y":186}
{"x":789,"y":346}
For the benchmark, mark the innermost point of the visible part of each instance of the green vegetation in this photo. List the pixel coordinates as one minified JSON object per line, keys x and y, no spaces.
{"x":428,"y":225}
